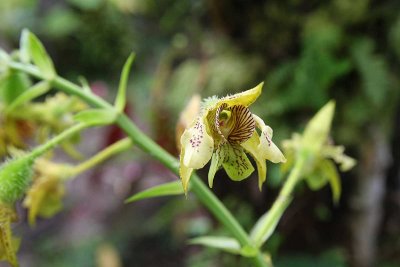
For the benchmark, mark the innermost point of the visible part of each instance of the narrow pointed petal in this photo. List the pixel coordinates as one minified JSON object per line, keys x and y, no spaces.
{"x":317,"y":130}
{"x":266,"y":147}
{"x":333,"y":178}
{"x":245,"y":98}
{"x":197,"y":145}
{"x":251,"y":146}
{"x":216,"y":163}
{"x":236,"y":163}
{"x":184,"y":172}
{"x":337,"y":154}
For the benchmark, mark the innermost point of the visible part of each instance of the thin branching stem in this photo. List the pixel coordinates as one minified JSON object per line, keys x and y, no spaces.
{"x":204,"y":194}
{"x":106,"y":153}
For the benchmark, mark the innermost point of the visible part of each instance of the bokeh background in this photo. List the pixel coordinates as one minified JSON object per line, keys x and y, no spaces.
{"x":307,"y":52}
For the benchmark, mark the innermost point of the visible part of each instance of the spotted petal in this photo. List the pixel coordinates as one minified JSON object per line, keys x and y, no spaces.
{"x":197,"y":146}
{"x":266,"y":147}
{"x":245,"y":98}
{"x":236,"y":163}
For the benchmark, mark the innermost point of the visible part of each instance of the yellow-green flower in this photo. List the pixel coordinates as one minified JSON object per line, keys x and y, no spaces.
{"x":8,"y":243}
{"x":44,"y":198}
{"x":316,"y":150}
{"x":224,"y":132}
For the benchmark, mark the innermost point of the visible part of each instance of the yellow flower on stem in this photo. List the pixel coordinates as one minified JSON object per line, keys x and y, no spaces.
{"x":315,"y":149}
{"x":224,"y":132}
{"x":44,"y":198}
{"x":8,"y":244}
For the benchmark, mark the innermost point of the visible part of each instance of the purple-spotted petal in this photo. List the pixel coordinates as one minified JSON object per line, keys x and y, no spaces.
{"x":236,"y":163}
{"x":197,"y":145}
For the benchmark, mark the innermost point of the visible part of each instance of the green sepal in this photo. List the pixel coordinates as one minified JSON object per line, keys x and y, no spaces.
{"x":120,"y":100}
{"x":35,"y":91}
{"x":317,"y":179}
{"x":167,"y":189}
{"x":267,"y":223}
{"x":333,"y":178}
{"x":325,"y":172}
{"x":216,"y":163}
{"x":95,"y":117}
{"x":317,"y":130}
{"x":31,"y":49}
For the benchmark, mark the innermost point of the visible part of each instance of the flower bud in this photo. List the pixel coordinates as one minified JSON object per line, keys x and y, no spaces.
{"x":15,"y":176}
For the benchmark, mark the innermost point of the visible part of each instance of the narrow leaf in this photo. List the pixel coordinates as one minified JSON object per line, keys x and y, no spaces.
{"x":266,"y":225}
{"x":24,"y":53}
{"x":227,"y":244}
{"x":96,"y":117}
{"x":35,"y":91}
{"x":37,"y":53}
{"x":120,"y":100}
{"x":167,"y":189}
{"x":84,"y":84}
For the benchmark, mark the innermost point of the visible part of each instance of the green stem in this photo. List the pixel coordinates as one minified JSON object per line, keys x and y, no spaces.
{"x":111,"y":150}
{"x":281,"y":203}
{"x":40,"y":150}
{"x":292,"y":180}
{"x":149,"y":146}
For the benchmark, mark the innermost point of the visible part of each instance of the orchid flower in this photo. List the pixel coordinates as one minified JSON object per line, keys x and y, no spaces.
{"x":315,"y":147}
{"x":223,"y":132}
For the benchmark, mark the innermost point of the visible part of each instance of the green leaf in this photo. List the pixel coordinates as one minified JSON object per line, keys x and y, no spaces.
{"x":32,"y":49}
{"x":35,"y":91}
{"x":96,"y":117}
{"x":24,"y":53}
{"x":120,"y":100}
{"x":266,"y":225}
{"x":227,"y":244}
{"x":12,"y":85}
{"x":167,"y":189}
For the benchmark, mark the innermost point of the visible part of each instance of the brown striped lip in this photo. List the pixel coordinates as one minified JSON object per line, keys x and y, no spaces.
{"x":234,"y":124}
